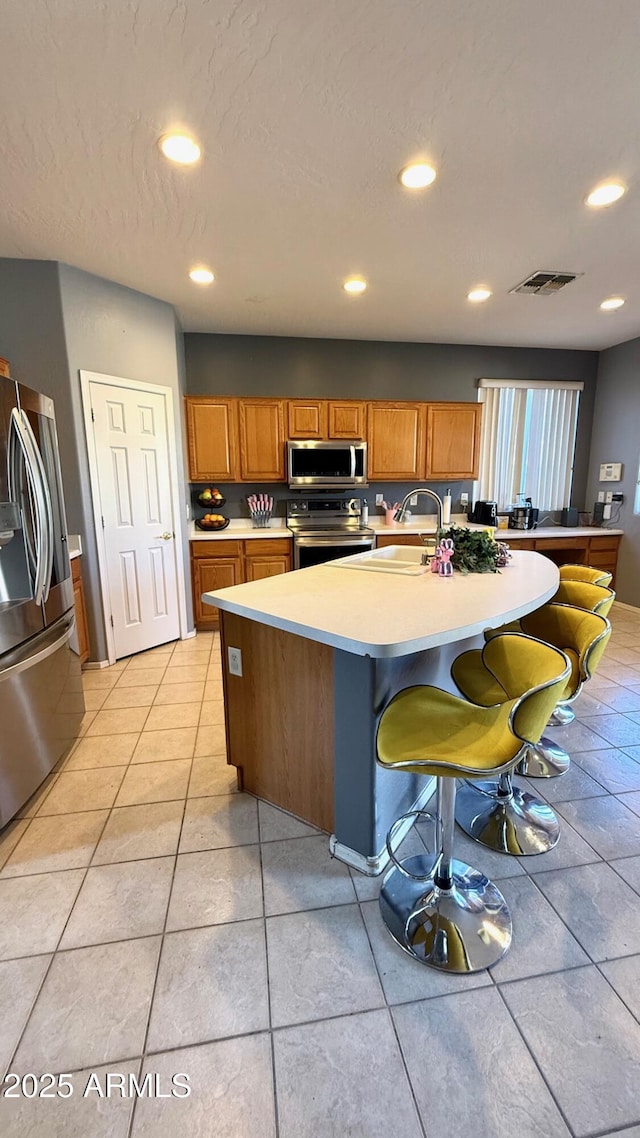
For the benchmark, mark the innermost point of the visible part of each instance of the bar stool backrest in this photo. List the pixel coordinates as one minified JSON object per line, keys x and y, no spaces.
{"x":531,"y":672}
{"x":586,"y":573}
{"x":582,"y":635}
{"x":584,"y":595}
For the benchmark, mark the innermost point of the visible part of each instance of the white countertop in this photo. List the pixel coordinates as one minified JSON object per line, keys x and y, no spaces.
{"x":384,"y":615}
{"x":74,"y":545}
{"x":241,"y":529}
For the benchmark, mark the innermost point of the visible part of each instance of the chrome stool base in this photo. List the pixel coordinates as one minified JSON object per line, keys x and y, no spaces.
{"x":461,"y":929}
{"x":515,"y":824}
{"x":562,"y":715}
{"x":544,"y":760}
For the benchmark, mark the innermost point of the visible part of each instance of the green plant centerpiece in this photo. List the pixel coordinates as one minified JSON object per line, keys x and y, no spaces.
{"x":475,"y":551}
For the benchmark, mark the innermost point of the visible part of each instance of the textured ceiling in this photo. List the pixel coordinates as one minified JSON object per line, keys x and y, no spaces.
{"x":306,"y":111}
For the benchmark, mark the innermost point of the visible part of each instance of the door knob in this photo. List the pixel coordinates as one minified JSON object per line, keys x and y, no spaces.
{"x":164,"y":536}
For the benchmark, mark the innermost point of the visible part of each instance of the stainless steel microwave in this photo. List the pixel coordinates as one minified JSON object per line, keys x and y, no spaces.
{"x":326,"y":465}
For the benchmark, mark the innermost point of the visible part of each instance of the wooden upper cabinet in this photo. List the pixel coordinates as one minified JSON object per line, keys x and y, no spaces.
{"x":307,"y":419}
{"x":453,"y":440}
{"x":347,"y":420}
{"x":396,"y":441}
{"x":212,"y":437}
{"x":262,"y":439}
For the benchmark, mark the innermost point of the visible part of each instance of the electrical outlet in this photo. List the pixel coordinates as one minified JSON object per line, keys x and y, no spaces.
{"x":606,"y":513}
{"x":617,"y":498}
{"x":413,"y":500}
{"x":235,"y":661}
{"x":608,"y":497}
{"x":379,"y":499}
{"x":464,"y":499}
{"x":601,"y":495}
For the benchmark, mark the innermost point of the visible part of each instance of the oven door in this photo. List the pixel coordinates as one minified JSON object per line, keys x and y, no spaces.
{"x":315,"y":549}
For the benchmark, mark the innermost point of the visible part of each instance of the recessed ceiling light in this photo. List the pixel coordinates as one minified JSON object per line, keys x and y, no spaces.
{"x":478,"y":294}
{"x":605,"y":194}
{"x":180,"y":148}
{"x":417,"y":176}
{"x":611,"y":303}
{"x":201,"y":276}
{"x":354,"y":285}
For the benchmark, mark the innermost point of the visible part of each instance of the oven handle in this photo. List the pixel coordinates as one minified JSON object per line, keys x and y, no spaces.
{"x":360,"y":539}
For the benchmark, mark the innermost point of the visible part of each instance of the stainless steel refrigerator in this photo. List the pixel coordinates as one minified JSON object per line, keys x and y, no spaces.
{"x":41,"y":700}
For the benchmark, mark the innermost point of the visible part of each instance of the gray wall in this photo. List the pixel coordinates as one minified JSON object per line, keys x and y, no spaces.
{"x":116,"y":331}
{"x":361,"y":369}
{"x":616,"y":438}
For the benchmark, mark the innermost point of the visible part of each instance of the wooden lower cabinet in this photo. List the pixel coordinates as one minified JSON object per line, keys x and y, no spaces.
{"x":220,"y":564}
{"x":82,"y":630}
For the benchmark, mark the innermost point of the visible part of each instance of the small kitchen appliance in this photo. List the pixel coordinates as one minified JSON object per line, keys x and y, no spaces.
{"x":485,"y":513}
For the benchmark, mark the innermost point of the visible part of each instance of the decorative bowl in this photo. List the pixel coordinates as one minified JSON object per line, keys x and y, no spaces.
{"x":202,"y":524}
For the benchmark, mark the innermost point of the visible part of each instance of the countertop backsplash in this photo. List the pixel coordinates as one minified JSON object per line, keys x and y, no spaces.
{"x":236,"y":494}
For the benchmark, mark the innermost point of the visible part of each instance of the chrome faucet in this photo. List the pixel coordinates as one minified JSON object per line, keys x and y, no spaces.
{"x":399,"y":514}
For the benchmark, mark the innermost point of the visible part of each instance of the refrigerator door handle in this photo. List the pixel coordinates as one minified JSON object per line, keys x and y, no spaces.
{"x":28,"y":659}
{"x":47,"y":518}
{"x":18,"y":420}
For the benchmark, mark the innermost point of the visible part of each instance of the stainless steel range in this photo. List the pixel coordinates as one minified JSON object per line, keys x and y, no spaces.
{"x":326,"y":528}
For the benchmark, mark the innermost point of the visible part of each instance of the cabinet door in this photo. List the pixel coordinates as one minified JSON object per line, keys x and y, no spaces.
{"x":453,"y":440}
{"x":210,"y":573}
{"x":347,"y":420}
{"x":262,"y":440}
{"x":212,"y":438}
{"x":307,"y":419}
{"x":266,"y":557}
{"x":396,"y":441}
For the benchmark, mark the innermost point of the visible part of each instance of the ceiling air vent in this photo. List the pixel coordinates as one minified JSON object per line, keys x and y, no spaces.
{"x":545,"y":282}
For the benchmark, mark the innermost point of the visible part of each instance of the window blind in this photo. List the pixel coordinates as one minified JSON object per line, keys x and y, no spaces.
{"x":528,"y":441}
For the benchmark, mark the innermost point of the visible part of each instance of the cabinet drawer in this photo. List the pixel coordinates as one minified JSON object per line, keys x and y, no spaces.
{"x":544,"y":544}
{"x":265,"y":547}
{"x":399,"y":539}
{"x":603,"y":559}
{"x":600,"y":543}
{"x":514,"y":546}
{"x":216,"y":548}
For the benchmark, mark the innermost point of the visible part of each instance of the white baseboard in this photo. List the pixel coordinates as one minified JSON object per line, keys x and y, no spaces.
{"x":373,"y":866}
{"x":91,"y":665}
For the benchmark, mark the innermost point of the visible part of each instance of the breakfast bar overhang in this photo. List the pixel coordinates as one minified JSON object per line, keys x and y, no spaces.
{"x":322,"y":651}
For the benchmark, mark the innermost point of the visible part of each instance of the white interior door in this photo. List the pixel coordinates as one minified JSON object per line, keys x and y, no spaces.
{"x":132,"y":454}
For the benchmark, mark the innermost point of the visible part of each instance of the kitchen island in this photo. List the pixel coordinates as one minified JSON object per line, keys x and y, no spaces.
{"x":322,"y":651}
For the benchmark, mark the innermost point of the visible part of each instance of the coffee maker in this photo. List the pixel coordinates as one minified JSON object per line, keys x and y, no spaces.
{"x":523,"y":516}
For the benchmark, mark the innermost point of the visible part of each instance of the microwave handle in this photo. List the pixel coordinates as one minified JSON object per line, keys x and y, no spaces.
{"x":353,"y":460}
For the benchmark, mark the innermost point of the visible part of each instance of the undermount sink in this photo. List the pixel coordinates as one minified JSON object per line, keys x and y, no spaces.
{"x":403,"y":559}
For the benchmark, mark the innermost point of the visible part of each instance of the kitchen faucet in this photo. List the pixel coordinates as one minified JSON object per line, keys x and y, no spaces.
{"x":399,"y":514}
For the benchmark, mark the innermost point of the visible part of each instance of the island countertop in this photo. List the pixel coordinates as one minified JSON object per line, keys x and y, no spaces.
{"x":388,"y":615}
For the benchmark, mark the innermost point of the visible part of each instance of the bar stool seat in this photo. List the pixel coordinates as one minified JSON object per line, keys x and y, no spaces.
{"x":586,"y":573}
{"x":443,"y":912}
{"x":593,"y":596}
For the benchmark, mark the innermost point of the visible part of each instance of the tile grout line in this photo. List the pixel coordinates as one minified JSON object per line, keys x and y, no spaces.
{"x":276,"y":1112}
{"x":159,"y":957}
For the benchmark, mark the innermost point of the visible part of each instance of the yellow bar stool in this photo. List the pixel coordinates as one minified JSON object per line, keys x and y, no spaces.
{"x":443,"y":912}
{"x":585,"y":573}
{"x":497,"y":812}
{"x":582,"y":595}
{"x":582,"y":636}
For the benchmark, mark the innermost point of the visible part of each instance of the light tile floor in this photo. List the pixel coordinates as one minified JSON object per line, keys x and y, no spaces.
{"x":154,"y":920}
